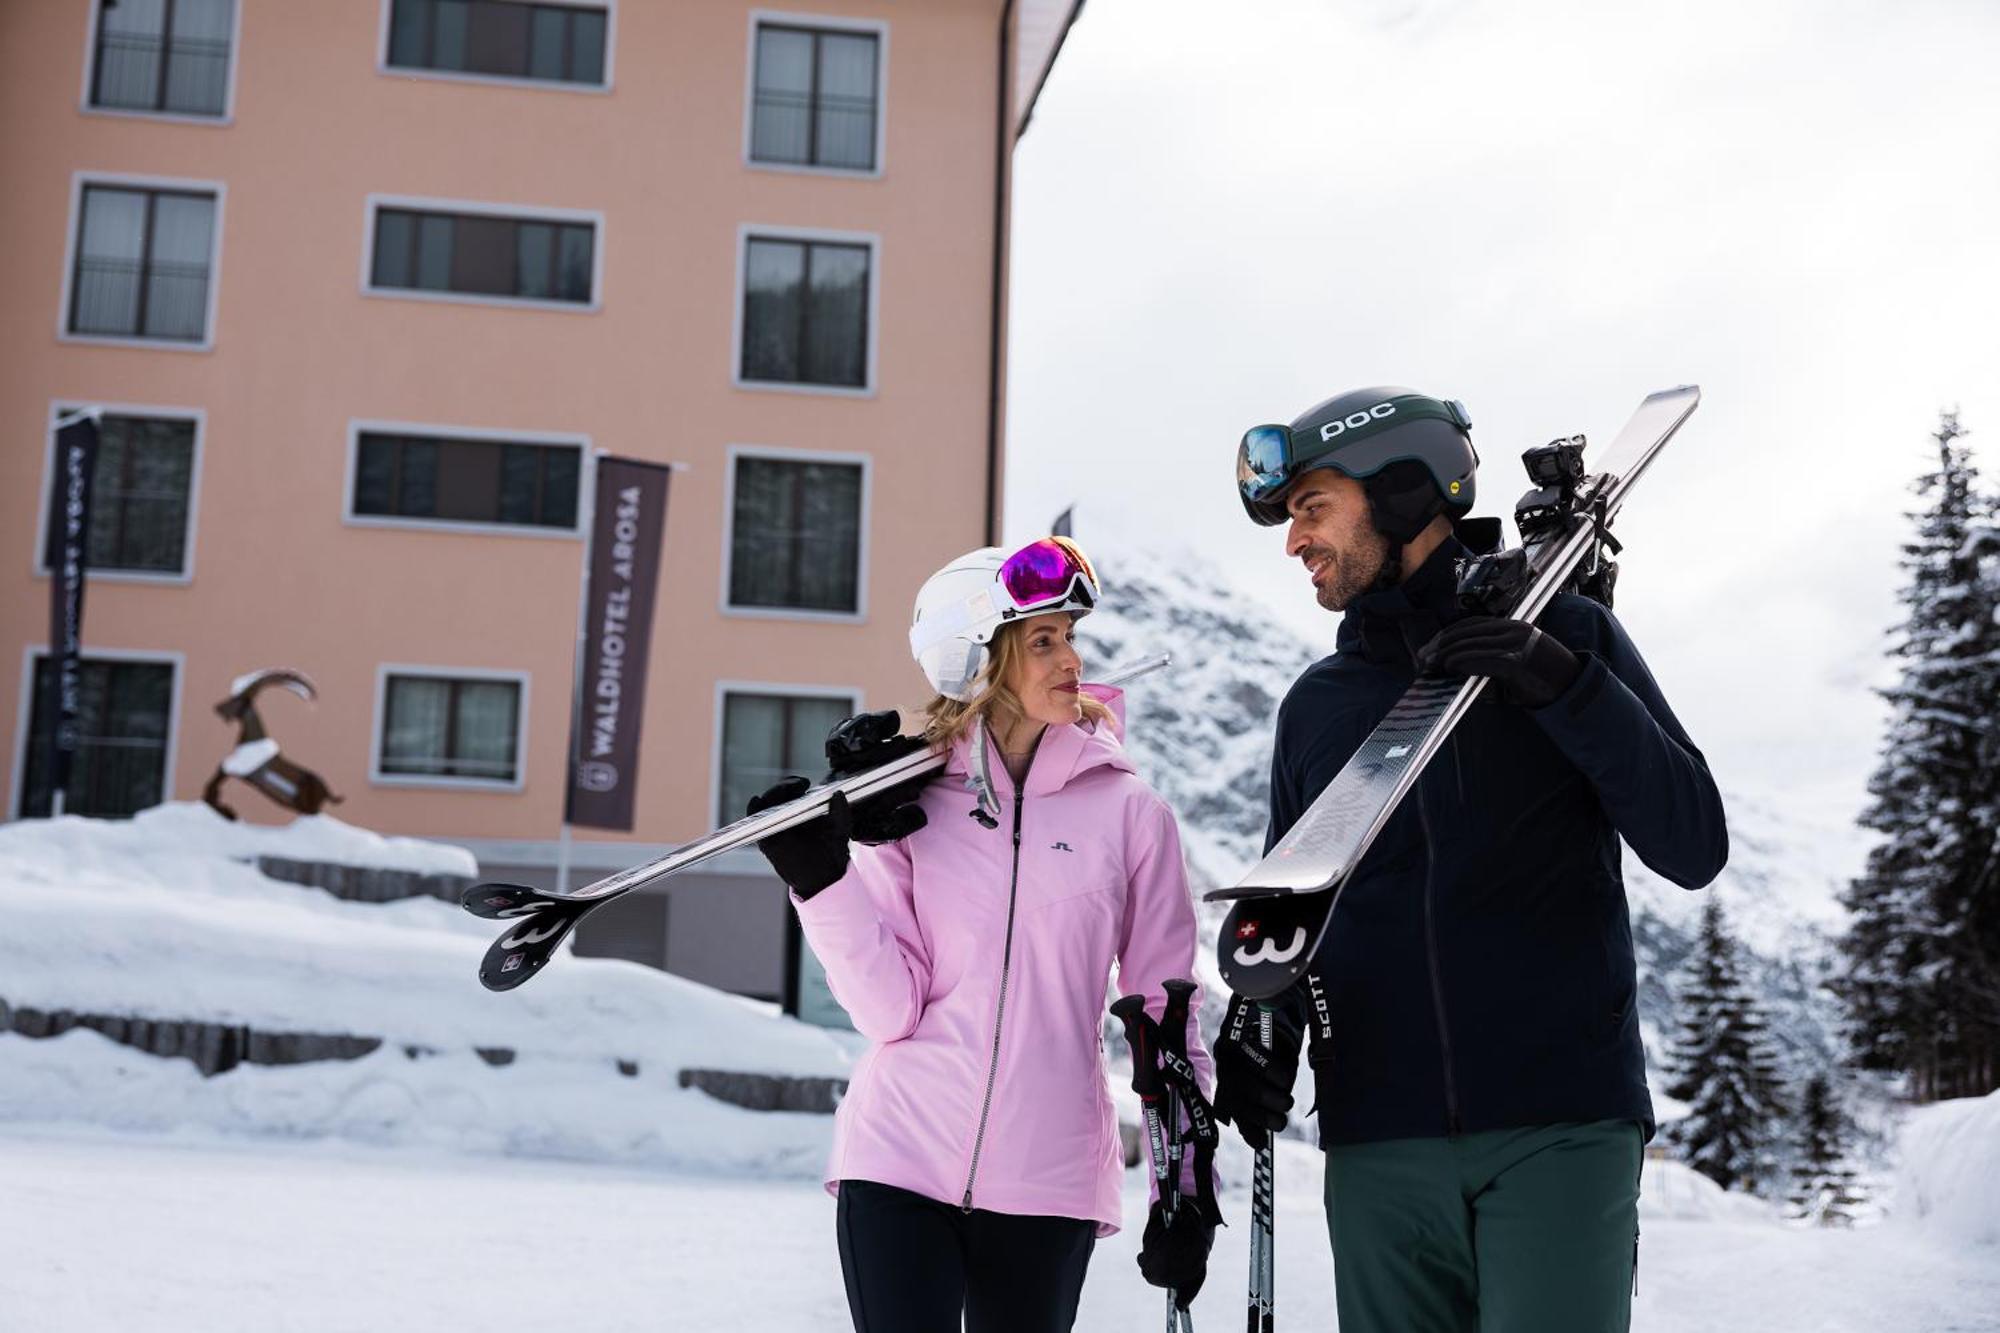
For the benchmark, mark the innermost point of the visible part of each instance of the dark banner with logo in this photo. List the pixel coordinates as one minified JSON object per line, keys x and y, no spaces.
{"x":625,"y":540}
{"x":69,"y":538}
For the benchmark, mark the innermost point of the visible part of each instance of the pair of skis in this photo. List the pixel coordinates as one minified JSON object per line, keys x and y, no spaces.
{"x":543,"y":919}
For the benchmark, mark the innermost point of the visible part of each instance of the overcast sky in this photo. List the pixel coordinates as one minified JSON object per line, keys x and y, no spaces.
{"x":1227,"y":212}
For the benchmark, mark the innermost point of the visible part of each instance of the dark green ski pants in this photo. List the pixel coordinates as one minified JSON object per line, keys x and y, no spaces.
{"x":1510,"y":1231}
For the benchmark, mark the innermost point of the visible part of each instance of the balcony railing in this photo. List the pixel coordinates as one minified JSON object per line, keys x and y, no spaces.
{"x":110,"y":777}
{"x":186,"y":75}
{"x":837,"y":131}
{"x":120,"y":298}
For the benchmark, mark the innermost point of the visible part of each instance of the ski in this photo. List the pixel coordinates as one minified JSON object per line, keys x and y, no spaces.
{"x":501,"y":901}
{"x":544,"y":918}
{"x":1282,"y":906}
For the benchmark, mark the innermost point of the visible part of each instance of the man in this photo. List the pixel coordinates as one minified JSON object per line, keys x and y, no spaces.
{"x":1482,"y":1098}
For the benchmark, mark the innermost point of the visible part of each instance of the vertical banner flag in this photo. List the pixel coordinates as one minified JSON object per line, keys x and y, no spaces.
{"x":69,"y":537}
{"x":629,"y":526}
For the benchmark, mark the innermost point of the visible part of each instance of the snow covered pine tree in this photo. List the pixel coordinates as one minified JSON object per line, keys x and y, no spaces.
{"x":1824,"y":1191}
{"x":1922,"y":981}
{"x":1725,"y":1067}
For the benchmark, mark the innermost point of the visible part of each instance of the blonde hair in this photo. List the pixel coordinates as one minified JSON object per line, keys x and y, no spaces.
{"x":992,"y":703}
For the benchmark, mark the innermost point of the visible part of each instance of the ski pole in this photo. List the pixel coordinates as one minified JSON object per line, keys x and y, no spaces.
{"x":1263,"y":1274}
{"x":1141,"y":1037}
{"x":1173,"y":1044}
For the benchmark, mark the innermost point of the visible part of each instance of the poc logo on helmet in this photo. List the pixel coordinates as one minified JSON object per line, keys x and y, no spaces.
{"x":1334,"y":429}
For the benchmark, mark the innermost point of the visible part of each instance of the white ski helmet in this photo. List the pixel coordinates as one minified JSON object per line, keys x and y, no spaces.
{"x":962,"y":606}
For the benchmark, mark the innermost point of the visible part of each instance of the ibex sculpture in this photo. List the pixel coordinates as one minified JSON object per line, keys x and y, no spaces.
{"x":256,"y":760}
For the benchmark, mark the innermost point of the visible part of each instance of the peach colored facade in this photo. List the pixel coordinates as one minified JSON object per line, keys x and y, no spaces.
{"x":300,"y":351}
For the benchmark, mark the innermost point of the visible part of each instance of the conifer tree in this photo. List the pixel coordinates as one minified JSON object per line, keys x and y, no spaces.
{"x":1725,"y":1068}
{"x":1922,"y":978}
{"x":1824,"y":1190}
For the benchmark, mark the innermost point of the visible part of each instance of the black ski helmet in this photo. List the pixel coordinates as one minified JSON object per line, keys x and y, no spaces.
{"x":1413,"y":454}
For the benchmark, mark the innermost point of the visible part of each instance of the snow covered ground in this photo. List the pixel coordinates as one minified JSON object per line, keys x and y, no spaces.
{"x":420,"y":1187}
{"x":117,"y":1232}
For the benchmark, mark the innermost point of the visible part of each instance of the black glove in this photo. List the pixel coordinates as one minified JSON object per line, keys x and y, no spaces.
{"x":811,"y":855}
{"x":870,"y":740}
{"x":1253,"y":1086}
{"x":1176,"y":1256}
{"x":1531,"y":668}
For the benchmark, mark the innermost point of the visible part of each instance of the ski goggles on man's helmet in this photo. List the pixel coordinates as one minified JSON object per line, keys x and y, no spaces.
{"x":1271,"y":458}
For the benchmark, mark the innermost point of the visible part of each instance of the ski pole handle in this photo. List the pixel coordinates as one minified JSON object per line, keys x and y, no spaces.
{"x":1174,"y":1018}
{"x":1173,"y":1046}
{"x":1143,"y":1037}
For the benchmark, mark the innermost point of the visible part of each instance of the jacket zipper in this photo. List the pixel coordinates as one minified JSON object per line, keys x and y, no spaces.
{"x":999,"y":1008}
{"x":1454,"y":1125}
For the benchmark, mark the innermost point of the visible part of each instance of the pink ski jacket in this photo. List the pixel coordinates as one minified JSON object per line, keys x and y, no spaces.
{"x":977,"y":961}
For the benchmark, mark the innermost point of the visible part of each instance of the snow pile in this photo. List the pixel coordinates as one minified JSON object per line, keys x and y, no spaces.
{"x":154,"y":918}
{"x":1673,"y":1189}
{"x":190,"y":829}
{"x":1950,"y":1178}
{"x":161,"y":918}
{"x":539,"y":1106}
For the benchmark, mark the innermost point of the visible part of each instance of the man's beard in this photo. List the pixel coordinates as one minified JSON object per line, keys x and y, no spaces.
{"x":1354,"y":571}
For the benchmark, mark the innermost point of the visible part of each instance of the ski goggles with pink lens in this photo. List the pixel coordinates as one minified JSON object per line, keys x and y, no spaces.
{"x":1049,"y":573}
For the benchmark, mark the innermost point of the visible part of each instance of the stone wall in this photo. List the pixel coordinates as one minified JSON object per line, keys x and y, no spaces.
{"x":767,"y":1092}
{"x":213,"y":1047}
{"x":364,"y":884}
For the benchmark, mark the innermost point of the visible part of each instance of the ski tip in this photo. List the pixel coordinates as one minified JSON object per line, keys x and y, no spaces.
{"x":498,"y":901}
{"x":504,"y":973}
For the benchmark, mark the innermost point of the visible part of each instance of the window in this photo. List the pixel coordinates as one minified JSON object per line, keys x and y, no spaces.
{"x":816,"y":97}
{"x":768,"y":736}
{"x":140,"y":497}
{"x":142,"y":263}
{"x":805,"y":312}
{"x":125,"y":717}
{"x":168,"y":56}
{"x":478,"y":254}
{"x":442,"y":726}
{"x":795,"y":535}
{"x":499,"y":38}
{"x":454,"y":480}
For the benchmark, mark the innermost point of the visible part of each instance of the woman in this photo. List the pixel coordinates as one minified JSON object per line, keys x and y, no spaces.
{"x":970,"y":937}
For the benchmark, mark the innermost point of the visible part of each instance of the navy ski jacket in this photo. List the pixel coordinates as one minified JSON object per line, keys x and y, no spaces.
{"x":1479,"y":964}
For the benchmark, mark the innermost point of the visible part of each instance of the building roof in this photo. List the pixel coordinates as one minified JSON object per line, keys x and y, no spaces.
{"x":1040,"y":29}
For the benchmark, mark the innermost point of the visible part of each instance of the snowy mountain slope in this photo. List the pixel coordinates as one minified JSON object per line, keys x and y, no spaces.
{"x":1201,"y":733}
{"x":1201,"y":728}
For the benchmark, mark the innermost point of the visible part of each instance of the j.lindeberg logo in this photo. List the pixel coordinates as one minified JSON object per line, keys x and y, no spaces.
{"x":1061,"y":847}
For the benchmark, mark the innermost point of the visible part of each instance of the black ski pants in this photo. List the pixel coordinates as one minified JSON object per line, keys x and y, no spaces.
{"x":914,"y":1265}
